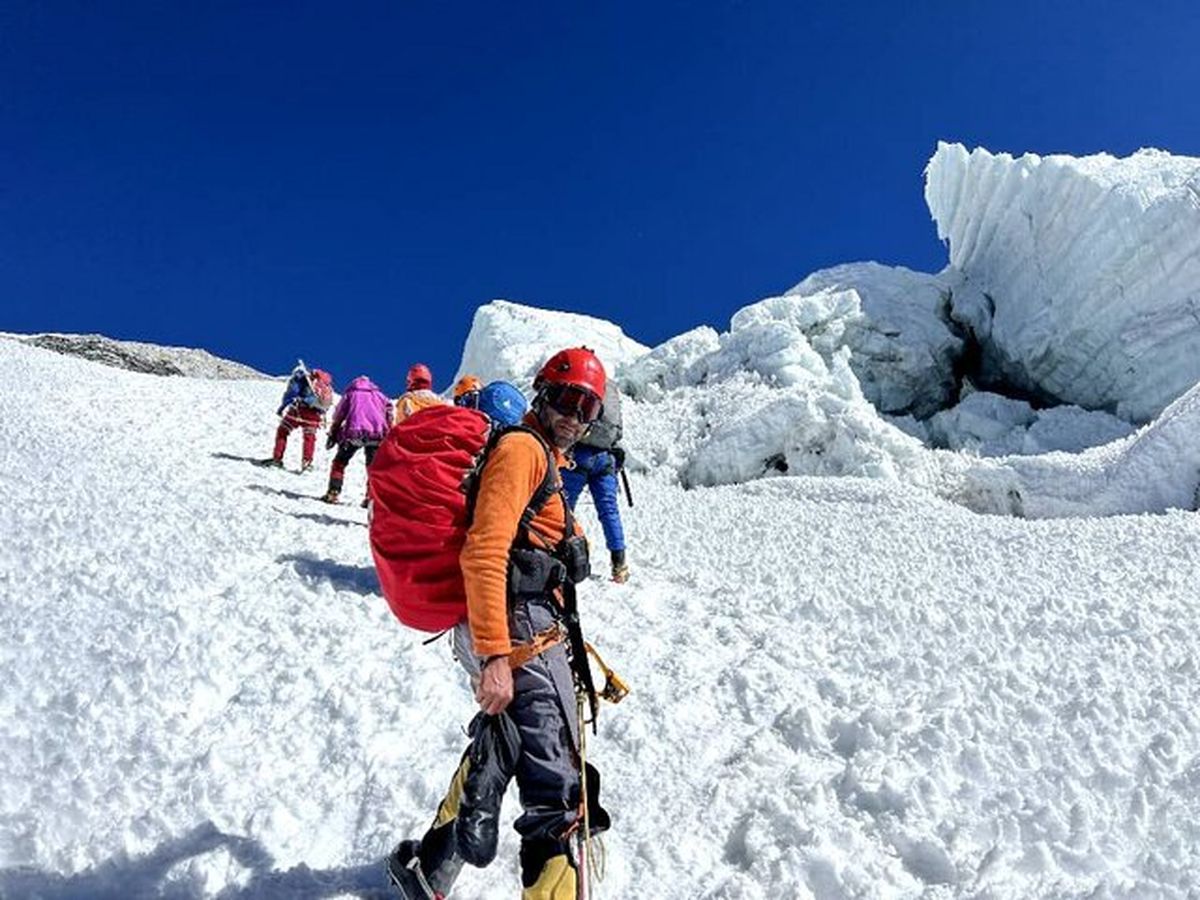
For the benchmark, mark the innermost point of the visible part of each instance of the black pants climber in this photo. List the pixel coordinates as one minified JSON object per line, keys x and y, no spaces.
{"x":346,"y":451}
{"x":541,"y":734}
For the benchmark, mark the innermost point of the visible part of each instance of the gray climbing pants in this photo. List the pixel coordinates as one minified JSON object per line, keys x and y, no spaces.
{"x":546,"y":766}
{"x":544,"y":711}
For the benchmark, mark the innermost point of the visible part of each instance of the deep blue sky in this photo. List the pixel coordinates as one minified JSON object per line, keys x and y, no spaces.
{"x":348,"y":182}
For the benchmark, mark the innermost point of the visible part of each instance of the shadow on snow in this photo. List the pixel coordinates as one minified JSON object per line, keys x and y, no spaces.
{"x":257,"y":460}
{"x":324,"y":520}
{"x":282,"y":492}
{"x":123,"y":878}
{"x":360,"y":579}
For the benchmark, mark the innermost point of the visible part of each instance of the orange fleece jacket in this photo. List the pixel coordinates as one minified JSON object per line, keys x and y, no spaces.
{"x":512,"y":474}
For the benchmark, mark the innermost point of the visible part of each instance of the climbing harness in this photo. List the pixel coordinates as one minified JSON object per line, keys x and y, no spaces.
{"x":542,"y":641}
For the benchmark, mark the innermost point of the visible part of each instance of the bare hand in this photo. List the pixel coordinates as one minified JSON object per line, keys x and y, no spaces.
{"x":495,"y":690}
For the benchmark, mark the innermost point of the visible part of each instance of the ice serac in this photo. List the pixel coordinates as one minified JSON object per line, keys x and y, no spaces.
{"x":669,"y":364}
{"x":510,"y":341}
{"x":1090,"y":268}
{"x":775,"y":394}
{"x":902,"y":348}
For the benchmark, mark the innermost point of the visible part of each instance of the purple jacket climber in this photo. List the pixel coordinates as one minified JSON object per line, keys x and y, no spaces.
{"x":363,"y":415}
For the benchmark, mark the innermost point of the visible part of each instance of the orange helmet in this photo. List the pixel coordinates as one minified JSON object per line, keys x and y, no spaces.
{"x":466,"y":385}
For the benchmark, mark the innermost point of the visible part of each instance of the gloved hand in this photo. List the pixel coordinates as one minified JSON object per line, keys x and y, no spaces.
{"x":330,"y":442}
{"x":618,"y":455}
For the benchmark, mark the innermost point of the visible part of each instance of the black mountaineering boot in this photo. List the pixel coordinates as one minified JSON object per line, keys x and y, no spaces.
{"x":404,"y":871}
{"x":620,"y":569}
{"x":425,"y":869}
{"x":335,"y":490}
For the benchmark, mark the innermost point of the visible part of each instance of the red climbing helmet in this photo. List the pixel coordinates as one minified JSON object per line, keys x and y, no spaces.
{"x":419,"y":378}
{"x":572,"y":382}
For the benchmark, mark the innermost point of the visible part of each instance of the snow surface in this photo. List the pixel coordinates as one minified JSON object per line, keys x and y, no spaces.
{"x":841,"y":687}
{"x":1083,"y":274}
{"x":1155,"y":469}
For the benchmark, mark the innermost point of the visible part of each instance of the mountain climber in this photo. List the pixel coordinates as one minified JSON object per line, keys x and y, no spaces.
{"x":519,"y":570}
{"x":305,"y":399}
{"x":466,"y":391}
{"x":598,"y":457}
{"x":418,"y":392}
{"x":362,"y":419}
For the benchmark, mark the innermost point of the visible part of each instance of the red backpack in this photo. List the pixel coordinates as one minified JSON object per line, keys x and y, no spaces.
{"x":422,"y":484}
{"x":322,"y":388}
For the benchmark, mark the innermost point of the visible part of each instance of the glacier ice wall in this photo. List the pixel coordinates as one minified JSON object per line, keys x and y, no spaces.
{"x":670,"y":364}
{"x":902,"y":347}
{"x":1090,"y":267}
{"x":1155,"y":469}
{"x":510,"y":341}
{"x":993,"y":425}
{"x":775,"y":394}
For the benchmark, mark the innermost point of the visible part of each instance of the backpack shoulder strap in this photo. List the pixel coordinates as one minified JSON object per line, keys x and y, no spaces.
{"x":547,"y":489}
{"x":549,"y":486}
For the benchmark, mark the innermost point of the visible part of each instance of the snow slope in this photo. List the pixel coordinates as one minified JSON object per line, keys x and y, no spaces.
{"x":140,"y":357}
{"x":841,"y":687}
{"x":1091,"y":267}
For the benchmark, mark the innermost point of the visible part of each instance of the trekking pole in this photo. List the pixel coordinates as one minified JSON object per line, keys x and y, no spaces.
{"x":585,"y":841}
{"x":625,"y":481}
